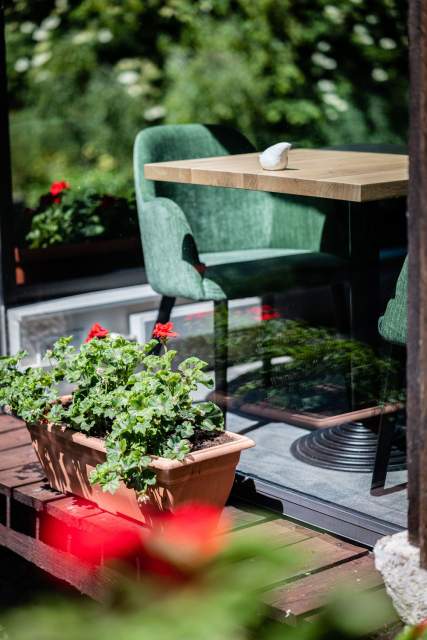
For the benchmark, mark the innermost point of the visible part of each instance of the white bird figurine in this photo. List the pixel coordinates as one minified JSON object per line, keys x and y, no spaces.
{"x":275,"y":157}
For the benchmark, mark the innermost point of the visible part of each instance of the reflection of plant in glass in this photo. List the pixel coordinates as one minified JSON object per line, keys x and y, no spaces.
{"x":67,"y":216}
{"x":316,"y":366}
{"x":136,"y":400}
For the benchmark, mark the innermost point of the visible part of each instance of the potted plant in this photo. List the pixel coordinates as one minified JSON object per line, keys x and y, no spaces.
{"x":129,"y":433}
{"x":76,"y":233}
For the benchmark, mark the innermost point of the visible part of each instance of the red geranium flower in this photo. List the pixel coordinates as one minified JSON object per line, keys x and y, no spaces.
{"x":96,"y":331}
{"x":58,"y":187}
{"x":266,"y":312}
{"x":162,"y":331}
{"x":419,"y":630}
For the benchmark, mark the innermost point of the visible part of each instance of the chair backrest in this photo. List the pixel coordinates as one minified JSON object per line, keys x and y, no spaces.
{"x":393,"y":324}
{"x":221,"y":219}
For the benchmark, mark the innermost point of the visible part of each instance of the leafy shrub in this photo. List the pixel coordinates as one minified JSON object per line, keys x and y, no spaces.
{"x":67,"y":216}
{"x":84,"y":77}
{"x":123,"y":392}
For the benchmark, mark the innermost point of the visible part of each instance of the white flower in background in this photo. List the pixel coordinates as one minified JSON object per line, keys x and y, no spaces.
{"x":83,"y":37}
{"x":40,"y":34}
{"x":356,"y":1}
{"x":154,"y":113}
{"x":371,"y":19}
{"x":135,"y":90}
{"x":323,"y":46}
{"x":380,"y":75}
{"x":326,"y":86}
{"x":333,"y":13}
{"x":128,"y":77}
{"x":104,"y":35}
{"x":27,"y":27}
{"x":324,"y":61}
{"x":363,"y":35}
{"x":41,"y":58}
{"x":22,"y":64}
{"x":335,"y":101}
{"x":128,"y":63}
{"x":106,"y":162}
{"x":388,"y":43}
{"x":41,"y":76}
{"x":61,"y":5}
{"x":331,"y":114}
{"x":51,"y":23}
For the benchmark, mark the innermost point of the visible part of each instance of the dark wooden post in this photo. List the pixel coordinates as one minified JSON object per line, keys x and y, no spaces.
{"x":417,"y":285}
{"x":6,"y":211}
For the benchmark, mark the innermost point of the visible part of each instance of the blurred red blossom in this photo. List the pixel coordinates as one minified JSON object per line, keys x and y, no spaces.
{"x":265,"y":311}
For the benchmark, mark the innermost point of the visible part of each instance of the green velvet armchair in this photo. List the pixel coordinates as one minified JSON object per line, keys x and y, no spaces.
{"x":209,"y":243}
{"x":393,"y":327}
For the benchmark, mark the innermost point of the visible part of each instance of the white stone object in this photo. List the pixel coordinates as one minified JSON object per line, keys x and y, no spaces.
{"x":275,"y":157}
{"x":398,"y":561}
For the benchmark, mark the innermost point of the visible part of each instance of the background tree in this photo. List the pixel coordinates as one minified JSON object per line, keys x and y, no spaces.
{"x":86,"y":75}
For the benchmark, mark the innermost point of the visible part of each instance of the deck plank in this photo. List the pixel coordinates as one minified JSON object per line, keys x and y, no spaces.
{"x":318,"y":553}
{"x":10,"y":423}
{"x":17,"y":457}
{"x":72,"y":511}
{"x":13,"y":438}
{"x":28,"y":473}
{"x":278,"y":532}
{"x":245,"y":516}
{"x":36,"y":494}
{"x":63,"y":566}
{"x":305,"y":596}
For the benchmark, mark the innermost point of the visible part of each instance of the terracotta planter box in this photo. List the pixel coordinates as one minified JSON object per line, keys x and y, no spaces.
{"x":207,"y":475}
{"x":76,"y":260}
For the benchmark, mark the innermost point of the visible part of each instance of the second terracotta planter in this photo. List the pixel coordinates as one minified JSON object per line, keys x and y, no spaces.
{"x":204,"y":476}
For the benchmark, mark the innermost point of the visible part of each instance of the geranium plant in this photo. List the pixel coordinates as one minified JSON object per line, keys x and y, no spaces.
{"x":139,"y":402}
{"x":65,"y":215}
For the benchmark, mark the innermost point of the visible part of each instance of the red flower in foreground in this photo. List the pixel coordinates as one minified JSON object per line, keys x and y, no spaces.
{"x":419,"y":630}
{"x":58,"y":187}
{"x":162,"y":331}
{"x":172,"y":546}
{"x":96,"y":331}
{"x":188,"y":538}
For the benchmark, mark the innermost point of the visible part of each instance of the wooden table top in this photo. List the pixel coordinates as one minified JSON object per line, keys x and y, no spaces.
{"x":340,"y":175}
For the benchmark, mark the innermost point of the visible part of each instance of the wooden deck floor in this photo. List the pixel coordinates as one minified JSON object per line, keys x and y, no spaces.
{"x":26,"y":503}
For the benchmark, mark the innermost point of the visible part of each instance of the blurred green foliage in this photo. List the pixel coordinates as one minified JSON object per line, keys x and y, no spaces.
{"x":220,"y":600}
{"x":86,"y":75}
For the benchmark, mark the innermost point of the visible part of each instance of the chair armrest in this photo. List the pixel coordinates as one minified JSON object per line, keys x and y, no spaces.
{"x":170,"y":252}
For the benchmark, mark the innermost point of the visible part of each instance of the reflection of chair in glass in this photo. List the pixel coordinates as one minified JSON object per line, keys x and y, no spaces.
{"x":393,"y":328}
{"x":209,"y":243}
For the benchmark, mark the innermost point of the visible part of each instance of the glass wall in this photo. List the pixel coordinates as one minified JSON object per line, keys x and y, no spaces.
{"x":309,"y":375}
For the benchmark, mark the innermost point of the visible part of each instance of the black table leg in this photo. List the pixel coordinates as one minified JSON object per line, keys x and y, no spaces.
{"x":353,"y":446}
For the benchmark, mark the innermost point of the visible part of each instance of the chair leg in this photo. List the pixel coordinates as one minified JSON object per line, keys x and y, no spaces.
{"x":386,"y":433}
{"x":163,"y":316}
{"x":221,"y":348}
